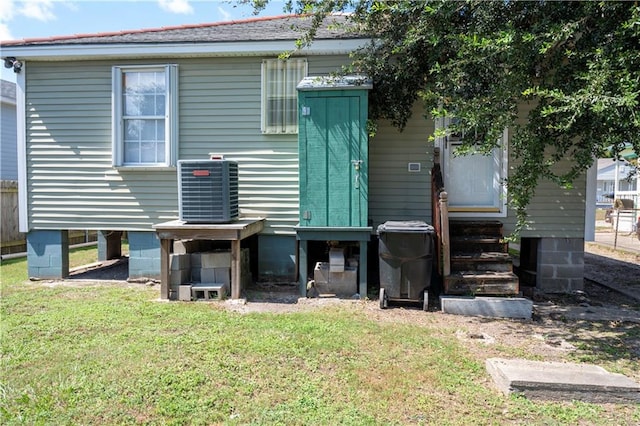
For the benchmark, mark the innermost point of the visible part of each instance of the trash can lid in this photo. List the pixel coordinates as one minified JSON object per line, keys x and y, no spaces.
{"x":405,"y":226}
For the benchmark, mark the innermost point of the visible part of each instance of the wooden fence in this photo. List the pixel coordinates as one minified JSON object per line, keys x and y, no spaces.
{"x":13,"y":241}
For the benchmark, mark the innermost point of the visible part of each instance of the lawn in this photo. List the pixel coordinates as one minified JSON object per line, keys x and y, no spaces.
{"x":113,"y":354}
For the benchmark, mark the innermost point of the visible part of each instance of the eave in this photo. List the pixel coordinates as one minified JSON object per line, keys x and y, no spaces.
{"x":62,"y":52}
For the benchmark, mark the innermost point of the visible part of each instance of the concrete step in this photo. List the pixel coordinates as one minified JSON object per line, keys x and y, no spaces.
{"x":481,"y":282}
{"x":556,"y":381}
{"x":494,"y":307}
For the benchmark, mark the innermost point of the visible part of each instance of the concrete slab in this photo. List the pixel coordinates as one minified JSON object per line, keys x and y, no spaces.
{"x":495,"y":307}
{"x":557,"y":381}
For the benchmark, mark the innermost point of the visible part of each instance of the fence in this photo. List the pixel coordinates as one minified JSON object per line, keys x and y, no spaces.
{"x":13,"y":241}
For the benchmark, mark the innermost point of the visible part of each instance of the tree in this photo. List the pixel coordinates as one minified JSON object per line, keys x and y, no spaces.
{"x":575,"y":63}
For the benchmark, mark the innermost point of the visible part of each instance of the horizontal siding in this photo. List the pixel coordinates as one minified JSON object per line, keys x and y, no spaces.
{"x":8,"y":149}
{"x":553,"y":212}
{"x":394,"y":192}
{"x":220,"y":113}
{"x":72,"y":185}
{"x":68,"y":110}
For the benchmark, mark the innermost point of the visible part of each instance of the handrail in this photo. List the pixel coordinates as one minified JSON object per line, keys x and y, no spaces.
{"x":440,"y":217}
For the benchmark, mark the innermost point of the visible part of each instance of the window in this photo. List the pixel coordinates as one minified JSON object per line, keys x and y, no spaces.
{"x":145,"y":106}
{"x":279,"y":96}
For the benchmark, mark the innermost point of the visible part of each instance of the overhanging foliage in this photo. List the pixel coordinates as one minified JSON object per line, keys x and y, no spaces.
{"x":576,"y":65}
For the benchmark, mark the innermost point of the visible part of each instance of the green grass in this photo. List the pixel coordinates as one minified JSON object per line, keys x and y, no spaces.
{"x":113,"y":354}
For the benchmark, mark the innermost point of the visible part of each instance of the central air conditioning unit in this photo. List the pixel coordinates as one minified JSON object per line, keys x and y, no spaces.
{"x":208,"y":191}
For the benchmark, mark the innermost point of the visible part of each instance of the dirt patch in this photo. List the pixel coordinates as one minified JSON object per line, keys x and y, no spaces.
{"x":595,"y":333}
{"x":552,"y":335}
{"x":598,"y":324}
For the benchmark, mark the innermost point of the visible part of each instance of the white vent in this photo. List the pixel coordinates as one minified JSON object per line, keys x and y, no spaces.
{"x":208,"y":191}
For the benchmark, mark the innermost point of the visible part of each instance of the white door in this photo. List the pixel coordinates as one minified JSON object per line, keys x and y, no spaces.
{"x":474,"y":182}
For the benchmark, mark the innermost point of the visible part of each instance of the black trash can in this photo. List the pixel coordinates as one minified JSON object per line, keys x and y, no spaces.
{"x":406,"y":251}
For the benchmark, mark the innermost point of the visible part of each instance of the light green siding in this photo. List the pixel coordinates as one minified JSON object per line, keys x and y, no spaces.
{"x":72,"y":185}
{"x":394,"y":192}
{"x":553,"y":212}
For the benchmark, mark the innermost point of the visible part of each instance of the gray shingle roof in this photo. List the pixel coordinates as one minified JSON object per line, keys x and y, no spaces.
{"x":285,"y":27}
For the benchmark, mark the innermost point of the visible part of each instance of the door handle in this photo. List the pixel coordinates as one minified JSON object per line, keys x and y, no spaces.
{"x":356,"y":166}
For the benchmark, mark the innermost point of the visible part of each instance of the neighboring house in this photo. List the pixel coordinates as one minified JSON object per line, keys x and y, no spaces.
{"x":8,"y":137}
{"x":10,"y":238}
{"x":107,"y":116}
{"x":606,"y":185}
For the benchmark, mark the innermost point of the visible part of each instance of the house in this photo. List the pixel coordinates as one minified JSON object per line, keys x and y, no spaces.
{"x":11,"y":239}
{"x":8,"y":157}
{"x":106,"y":117}
{"x":607,"y":187}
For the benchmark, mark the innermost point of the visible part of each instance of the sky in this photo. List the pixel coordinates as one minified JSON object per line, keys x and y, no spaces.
{"x":20,"y":19}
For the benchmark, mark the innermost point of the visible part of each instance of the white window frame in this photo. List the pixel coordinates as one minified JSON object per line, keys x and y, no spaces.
{"x":170,"y":115}
{"x":290,"y":71}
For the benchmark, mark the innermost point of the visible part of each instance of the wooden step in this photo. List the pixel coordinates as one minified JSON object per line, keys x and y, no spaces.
{"x":481,"y":283}
{"x":480,"y":261}
{"x":475,"y":227}
{"x":490,"y":261}
{"x":478,"y":244}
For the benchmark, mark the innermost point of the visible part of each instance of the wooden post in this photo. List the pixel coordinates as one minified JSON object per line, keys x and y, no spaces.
{"x":165,"y":245}
{"x":302,"y":267}
{"x":444,"y":230}
{"x":362,"y":265}
{"x":236,"y":284}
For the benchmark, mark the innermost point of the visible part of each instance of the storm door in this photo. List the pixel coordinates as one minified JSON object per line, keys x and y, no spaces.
{"x":474,"y":182}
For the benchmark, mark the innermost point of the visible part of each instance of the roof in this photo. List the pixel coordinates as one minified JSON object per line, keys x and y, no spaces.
{"x":250,"y":37}
{"x":607,"y":167}
{"x":283,"y":27}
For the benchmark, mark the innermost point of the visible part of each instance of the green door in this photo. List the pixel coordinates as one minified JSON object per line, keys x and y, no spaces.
{"x":333,"y":159}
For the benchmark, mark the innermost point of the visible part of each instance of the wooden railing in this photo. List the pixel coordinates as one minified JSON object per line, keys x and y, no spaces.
{"x":440,"y":218}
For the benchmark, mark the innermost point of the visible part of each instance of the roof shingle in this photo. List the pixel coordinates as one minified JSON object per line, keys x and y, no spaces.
{"x":283,"y":27}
